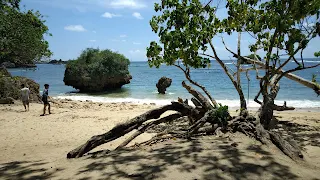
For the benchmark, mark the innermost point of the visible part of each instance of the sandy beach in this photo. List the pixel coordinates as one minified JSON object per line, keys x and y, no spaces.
{"x":34,"y":147}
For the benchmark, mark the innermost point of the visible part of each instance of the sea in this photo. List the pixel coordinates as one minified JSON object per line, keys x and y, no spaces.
{"x":142,"y":88}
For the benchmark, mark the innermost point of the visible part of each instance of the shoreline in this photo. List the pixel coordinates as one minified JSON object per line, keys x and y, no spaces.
{"x":161,"y":102}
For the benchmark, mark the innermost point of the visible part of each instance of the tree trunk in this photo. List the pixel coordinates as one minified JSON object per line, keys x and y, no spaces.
{"x":130,"y":125}
{"x":266,"y":111}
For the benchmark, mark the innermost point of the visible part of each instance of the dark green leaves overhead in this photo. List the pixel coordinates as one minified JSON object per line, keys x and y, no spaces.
{"x":21,"y":34}
{"x":184,"y":28}
{"x":285,"y":25}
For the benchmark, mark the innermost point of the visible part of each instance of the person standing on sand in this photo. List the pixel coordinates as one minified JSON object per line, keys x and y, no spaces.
{"x":25,"y":93}
{"x":45,"y":96}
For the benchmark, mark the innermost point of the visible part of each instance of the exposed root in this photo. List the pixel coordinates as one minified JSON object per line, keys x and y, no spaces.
{"x":203,"y":120}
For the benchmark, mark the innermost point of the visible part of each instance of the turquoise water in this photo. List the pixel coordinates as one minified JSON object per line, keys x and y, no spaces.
{"x":143,"y":85}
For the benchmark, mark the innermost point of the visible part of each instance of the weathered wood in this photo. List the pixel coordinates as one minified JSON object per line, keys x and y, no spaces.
{"x":194,"y":128}
{"x":124,"y":128}
{"x":144,"y":127}
{"x":204,"y":101}
{"x":284,"y":107}
{"x":287,"y":148}
{"x":195,"y":102}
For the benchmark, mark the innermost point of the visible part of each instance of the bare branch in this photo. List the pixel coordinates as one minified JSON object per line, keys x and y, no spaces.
{"x":187,"y":75}
{"x":299,"y":68}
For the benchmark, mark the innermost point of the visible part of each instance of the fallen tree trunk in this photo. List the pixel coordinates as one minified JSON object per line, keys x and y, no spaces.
{"x":130,"y":125}
{"x":145,"y":127}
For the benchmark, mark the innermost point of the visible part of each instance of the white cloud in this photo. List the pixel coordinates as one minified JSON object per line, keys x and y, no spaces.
{"x":110,"y":15}
{"x":78,"y":28}
{"x":137,"y":15}
{"x":94,"y":31}
{"x":117,"y":40}
{"x":133,"y":4}
{"x":123,"y":36}
{"x":92,"y":40}
{"x":94,"y":5}
{"x":135,"y":51}
{"x":136,"y":43}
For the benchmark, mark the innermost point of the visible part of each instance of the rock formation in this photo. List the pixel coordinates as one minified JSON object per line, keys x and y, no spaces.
{"x":97,"y":71}
{"x":10,"y":87}
{"x":85,"y":82}
{"x":163,"y":84}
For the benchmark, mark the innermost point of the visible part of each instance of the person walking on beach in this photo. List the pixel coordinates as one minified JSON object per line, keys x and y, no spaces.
{"x":45,"y":96}
{"x":25,"y":93}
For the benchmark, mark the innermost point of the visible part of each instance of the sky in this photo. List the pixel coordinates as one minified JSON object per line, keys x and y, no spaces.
{"x":118,"y":25}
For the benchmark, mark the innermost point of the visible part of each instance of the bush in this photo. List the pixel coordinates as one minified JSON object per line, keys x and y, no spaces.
{"x":97,"y":70}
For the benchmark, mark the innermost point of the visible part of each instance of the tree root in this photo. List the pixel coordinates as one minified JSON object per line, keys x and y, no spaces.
{"x":130,"y":125}
{"x":217,"y":118}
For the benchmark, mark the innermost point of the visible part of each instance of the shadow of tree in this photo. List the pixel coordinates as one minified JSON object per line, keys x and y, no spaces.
{"x":303,"y":134}
{"x":26,"y":170}
{"x":202,"y":158}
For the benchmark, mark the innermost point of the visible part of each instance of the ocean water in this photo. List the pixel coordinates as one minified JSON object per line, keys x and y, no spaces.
{"x":142,"y":88}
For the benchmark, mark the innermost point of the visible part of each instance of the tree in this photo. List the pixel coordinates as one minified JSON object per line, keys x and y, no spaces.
{"x":281,"y":29}
{"x":22,"y":34}
{"x":97,"y":70}
{"x":186,"y":29}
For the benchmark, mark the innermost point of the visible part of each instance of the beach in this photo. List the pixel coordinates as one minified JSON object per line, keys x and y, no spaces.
{"x":34,"y":147}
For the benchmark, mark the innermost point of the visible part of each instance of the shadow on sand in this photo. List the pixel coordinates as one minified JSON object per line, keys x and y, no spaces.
{"x":195,"y":161}
{"x":26,"y":170}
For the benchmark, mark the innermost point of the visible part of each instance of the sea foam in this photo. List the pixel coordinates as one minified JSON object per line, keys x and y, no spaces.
{"x":230,"y":103}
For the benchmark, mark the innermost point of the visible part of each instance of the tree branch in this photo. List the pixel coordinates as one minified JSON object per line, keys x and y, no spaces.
{"x":187,"y":75}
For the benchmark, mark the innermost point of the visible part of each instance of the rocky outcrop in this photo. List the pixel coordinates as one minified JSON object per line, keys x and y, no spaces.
{"x":85,"y":82}
{"x":4,"y":72}
{"x":8,"y":65}
{"x":163,"y":84}
{"x":7,"y":100}
{"x":10,"y":87}
{"x":97,"y":70}
{"x":13,"y":65}
{"x":57,"y":62}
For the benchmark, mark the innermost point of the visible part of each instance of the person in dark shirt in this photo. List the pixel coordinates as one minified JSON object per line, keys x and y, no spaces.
{"x":45,"y":96}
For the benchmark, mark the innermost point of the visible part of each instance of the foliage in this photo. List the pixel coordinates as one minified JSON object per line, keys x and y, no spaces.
{"x":22,"y":34}
{"x":286,"y":25}
{"x":100,"y":63}
{"x":184,"y":28}
{"x":10,"y":87}
{"x":251,"y":56}
{"x":221,"y":114}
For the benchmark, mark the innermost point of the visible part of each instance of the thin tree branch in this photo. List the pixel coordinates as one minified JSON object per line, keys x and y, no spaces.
{"x":294,"y":70}
{"x":187,"y":75}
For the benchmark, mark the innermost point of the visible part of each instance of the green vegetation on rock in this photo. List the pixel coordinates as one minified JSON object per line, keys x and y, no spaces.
{"x":10,"y":86}
{"x":97,"y":70}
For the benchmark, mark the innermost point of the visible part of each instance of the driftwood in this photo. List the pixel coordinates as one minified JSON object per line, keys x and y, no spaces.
{"x":206,"y":120}
{"x":201,"y":99}
{"x":143,"y":128}
{"x":130,"y":125}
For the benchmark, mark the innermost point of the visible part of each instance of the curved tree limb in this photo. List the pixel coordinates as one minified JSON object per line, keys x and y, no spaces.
{"x":126,"y":127}
{"x":187,"y":75}
{"x":145,"y":127}
{"x":291,"y":76}
{"x":243,"y":103}
{"x":204,"y":102}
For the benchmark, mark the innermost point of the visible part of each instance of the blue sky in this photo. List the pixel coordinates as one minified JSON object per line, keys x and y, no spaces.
{"x":119,"y":25}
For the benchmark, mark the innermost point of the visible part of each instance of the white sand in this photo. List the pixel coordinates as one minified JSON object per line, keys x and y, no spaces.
{"x":34,"y":147}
